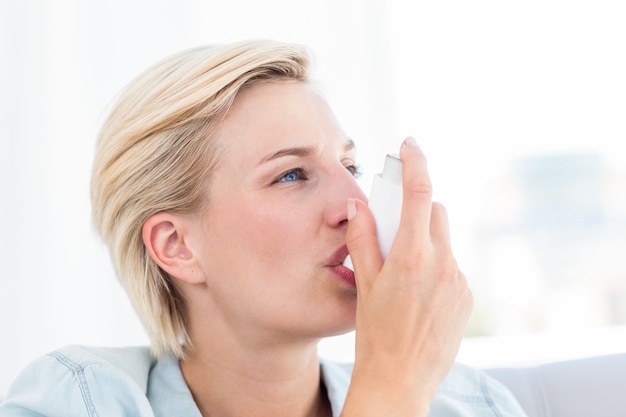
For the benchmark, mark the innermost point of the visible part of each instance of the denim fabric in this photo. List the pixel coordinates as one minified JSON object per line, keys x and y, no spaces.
{"x":82,"y":381}
{"x":466,"y":392}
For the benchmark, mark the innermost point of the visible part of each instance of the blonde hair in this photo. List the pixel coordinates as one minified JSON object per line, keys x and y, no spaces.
{"x":155,"y":153}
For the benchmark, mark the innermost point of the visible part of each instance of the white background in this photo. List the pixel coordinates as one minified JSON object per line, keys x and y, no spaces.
{"x":481,"y":84}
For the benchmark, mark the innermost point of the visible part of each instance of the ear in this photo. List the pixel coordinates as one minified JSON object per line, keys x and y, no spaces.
{"x":164,"y":236}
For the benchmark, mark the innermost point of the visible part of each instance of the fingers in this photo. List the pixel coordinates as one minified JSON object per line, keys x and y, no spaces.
{"x":361,"y":241}
{"x":423,"y":223}
{"x":417,"y":194}
{"x":439,"y":227}
{"x":411,"y":317}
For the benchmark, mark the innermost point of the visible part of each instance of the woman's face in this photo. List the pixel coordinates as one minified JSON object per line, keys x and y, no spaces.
{"x":273,"y":238}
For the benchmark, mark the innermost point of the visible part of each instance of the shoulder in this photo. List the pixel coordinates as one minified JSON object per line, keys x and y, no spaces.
{"x":82,"y":381}
{"x":471,"y":392}
{"x":132,"y":363}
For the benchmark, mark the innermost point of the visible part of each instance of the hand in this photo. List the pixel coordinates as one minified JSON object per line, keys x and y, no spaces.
{"x":412,"y":309}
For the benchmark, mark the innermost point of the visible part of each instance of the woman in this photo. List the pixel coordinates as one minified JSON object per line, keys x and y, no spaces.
{"x":224,"y":188}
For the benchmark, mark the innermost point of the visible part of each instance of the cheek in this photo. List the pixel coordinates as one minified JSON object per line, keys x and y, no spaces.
{"x":263,"y":254}
{"x":266,"y":235}
{"x":276,"y":233}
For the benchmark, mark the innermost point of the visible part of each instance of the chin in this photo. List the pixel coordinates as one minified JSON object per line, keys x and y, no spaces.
{"x":329,"y":319}
{"x":339,"y":332}
{"x":341,"y":325}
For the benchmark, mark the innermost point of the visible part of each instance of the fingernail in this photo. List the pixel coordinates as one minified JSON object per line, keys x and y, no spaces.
{"x":351,"y":208}
{"x":410,"y":141}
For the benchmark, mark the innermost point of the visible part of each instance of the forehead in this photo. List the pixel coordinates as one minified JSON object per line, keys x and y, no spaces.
{"x":270,"y":116}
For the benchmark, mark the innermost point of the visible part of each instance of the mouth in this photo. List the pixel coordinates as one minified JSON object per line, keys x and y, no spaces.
{"x":339,"y":263}
{"x":339,"y":256}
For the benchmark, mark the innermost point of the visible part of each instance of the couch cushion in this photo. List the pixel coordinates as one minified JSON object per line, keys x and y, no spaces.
{"x":577,"y":388}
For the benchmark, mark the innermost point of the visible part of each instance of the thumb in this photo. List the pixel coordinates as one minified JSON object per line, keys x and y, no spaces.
{"x":361,"y":242}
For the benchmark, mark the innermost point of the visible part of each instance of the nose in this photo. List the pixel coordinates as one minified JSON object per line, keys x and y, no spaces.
{"x":341,"y":186}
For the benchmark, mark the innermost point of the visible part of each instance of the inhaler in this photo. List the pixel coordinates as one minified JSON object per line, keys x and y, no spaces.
{"x":385,"y":202}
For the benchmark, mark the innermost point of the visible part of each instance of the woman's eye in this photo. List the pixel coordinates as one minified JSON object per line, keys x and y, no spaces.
{"x":293,"y":175}
{"x":355,"y":170}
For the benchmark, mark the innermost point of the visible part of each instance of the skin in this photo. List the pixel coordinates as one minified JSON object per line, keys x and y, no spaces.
{"x":260,"y":270}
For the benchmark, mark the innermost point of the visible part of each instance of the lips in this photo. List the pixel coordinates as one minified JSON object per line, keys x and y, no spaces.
{"x":339,"y":256}
{"x":335,"y":263}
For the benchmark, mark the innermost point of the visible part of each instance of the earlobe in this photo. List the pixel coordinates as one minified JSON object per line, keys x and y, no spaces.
{"x":165,"y":240}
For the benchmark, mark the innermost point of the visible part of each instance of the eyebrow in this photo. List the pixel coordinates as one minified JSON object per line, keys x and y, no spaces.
{"x":301,"y":151}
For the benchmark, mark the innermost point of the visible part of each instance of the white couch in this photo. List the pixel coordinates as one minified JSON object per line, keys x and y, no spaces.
{"x":590,"y":387}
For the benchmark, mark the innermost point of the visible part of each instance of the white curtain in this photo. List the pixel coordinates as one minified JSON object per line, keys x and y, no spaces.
{"x":478,"y":83}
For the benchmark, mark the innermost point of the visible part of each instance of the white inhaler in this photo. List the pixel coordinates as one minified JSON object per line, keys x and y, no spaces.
{"x":385,"y":202}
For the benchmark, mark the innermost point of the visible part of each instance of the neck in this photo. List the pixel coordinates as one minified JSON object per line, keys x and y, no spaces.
{"x":232,"y":379}
{"x":244,"y":368}
{"x":256,"y":386}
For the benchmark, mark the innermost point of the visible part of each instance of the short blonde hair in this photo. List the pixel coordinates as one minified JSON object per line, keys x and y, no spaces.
{"x":155,"y":153}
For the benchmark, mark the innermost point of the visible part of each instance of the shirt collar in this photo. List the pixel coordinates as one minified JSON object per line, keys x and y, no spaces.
{"x":167,"y":382}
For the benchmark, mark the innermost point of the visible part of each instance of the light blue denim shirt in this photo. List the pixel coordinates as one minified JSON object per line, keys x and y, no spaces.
{"x":82,"y":381}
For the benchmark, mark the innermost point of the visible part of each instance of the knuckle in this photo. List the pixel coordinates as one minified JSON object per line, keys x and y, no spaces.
{"x":420,"y":189}
{"x":356,"y":240}
{"x":449,"y":276}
